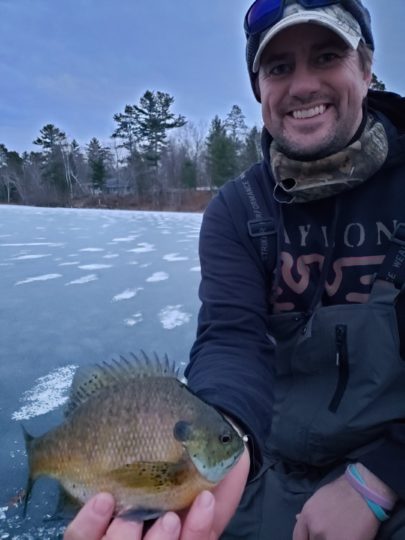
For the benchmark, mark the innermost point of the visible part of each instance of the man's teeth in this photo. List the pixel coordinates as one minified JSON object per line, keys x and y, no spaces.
{"x":309,"y":113}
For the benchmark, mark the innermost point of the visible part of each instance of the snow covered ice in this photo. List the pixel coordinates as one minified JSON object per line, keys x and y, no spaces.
{"x":77,"y":287}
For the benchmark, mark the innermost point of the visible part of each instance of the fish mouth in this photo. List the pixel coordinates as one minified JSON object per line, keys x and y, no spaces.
{"x":231,"y":462}
{"x":215,"y":471}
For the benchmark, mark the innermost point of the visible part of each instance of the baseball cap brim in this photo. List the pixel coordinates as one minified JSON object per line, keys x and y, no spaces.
{"x":350,"y":34}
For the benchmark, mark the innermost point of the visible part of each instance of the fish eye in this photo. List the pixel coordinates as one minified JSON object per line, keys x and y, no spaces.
{"x":225,"y":438}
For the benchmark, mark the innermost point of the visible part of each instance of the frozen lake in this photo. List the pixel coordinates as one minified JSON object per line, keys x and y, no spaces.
{"x":77,"y":287}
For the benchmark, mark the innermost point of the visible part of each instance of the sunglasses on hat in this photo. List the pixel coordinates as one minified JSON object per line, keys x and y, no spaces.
{"x":265,"y":13}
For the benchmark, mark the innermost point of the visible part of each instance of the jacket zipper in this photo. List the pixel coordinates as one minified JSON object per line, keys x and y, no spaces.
{"x":342,"y":363}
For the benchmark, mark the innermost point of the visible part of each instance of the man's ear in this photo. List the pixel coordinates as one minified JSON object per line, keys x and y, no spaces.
{"x":367,"y":76}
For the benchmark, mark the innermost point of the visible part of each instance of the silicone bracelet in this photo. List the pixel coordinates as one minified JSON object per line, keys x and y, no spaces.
{"x":357,"y":482}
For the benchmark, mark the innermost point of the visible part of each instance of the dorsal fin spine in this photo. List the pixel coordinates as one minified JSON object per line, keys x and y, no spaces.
{"x":89,"y":380}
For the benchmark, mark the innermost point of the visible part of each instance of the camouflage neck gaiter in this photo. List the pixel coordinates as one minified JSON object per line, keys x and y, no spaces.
{"x":304,"y":181}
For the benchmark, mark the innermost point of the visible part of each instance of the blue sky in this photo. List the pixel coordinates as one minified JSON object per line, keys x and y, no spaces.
{"x":74,"y":63}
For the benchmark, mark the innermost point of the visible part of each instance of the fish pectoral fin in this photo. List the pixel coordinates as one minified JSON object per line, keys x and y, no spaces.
{"x":151,"y":475}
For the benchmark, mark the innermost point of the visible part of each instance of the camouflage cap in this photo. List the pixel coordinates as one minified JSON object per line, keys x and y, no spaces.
{"x":333,"y":17}
{"x":348,"y":18}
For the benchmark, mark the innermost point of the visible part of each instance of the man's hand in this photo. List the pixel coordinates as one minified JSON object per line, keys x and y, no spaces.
{"x":206,"y":519}
{"x":334,"y":512}
{"x":93,"y":522}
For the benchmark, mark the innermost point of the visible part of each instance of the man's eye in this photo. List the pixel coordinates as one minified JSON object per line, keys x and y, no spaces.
{"x":279,"y":69}
{"x":327,"y":58}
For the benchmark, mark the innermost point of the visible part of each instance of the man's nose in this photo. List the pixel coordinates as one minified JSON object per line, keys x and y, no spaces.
{"x":305,"y":82}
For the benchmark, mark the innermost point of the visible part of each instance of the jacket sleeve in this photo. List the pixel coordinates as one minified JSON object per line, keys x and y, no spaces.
{"x":387,"y":461}
{"x":230,"y":361}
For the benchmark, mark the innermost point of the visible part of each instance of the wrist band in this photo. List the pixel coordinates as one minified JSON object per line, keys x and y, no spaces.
{"x":376,"y":502}
{"x":358,"y":483}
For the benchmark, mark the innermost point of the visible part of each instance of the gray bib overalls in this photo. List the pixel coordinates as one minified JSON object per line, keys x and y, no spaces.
{"x":339,"y":381}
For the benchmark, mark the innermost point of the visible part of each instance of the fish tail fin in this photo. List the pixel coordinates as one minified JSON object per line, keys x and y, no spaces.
{"x":28,"y":438}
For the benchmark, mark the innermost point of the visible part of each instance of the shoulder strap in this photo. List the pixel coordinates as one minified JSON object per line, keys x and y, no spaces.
{"x":393,"y":267}
{"x":260,"y":228}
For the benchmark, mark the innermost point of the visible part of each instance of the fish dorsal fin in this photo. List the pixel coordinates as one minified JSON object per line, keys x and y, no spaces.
{"x":89,"y":380}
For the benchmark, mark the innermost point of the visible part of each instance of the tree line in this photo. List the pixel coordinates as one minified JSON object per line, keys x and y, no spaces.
{"x":154,"y":156}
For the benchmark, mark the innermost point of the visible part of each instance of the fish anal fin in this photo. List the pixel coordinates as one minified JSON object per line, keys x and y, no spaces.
{"x":66,"y":508}
{"x":140,"y":514}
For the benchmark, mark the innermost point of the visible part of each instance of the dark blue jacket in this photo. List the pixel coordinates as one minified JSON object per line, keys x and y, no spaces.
{"x":231,"y":360}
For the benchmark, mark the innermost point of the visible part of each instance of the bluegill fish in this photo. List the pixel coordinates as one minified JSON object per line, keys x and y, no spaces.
{"x":133,"y":429}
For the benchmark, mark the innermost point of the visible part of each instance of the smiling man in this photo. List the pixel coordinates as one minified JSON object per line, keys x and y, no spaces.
{"x":301,"y":334}
{"x":312,"y":88}
{"x":299,"y":337}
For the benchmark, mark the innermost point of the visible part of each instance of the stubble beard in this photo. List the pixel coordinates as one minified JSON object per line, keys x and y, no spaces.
{"x":331,"y":144}
{"x":334,"y":140}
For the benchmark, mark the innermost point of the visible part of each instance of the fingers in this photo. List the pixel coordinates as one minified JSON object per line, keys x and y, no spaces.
{"x":92,"y":520}
{"x":167,"y":527}
{"x":300,"y":530}
{"x":199,"y":521}
{"x":121,"y":529}
{"x":229,"y":492}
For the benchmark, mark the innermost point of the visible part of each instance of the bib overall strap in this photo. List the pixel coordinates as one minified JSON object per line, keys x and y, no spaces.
{"x":261,"y":226}
{"x":392,"y":270}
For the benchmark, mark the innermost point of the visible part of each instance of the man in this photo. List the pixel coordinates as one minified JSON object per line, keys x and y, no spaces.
{"x":299,"y":338}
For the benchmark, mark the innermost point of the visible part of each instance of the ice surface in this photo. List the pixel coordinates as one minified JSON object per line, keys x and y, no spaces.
{"x":94,"y":285}
{"x":127,"y":294}
{"x":158,"y":276}
{"x":173,"y":257}
{"x":172,"y":316}
{"x":143,"y":247}
{"x":48,"y":393}
{"x":83,"y":280}
{"x":94,"y":266}
{"x":44,"y":277}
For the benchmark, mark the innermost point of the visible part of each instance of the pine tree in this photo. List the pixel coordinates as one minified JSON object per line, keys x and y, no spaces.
{"x":98,"y":158}
{"x":222,"y":159}
{"x":251,"y":150}
{"x":127,"y":129}
{"x":376,"y":84}
{"x":155,"y":120}
{"x":236,"y":129}
{"x":188,"y":174}
{"x":143,"y":131}
{"x":54,"y":172}
{"x":3,"y":155}
{"x":235,"y":124}
{"x":10,"y":174}
{"x":50,"y":138}
{"x":144,"y":127}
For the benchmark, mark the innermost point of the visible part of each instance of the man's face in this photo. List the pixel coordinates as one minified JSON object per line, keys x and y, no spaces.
{"x":312,"y":89}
